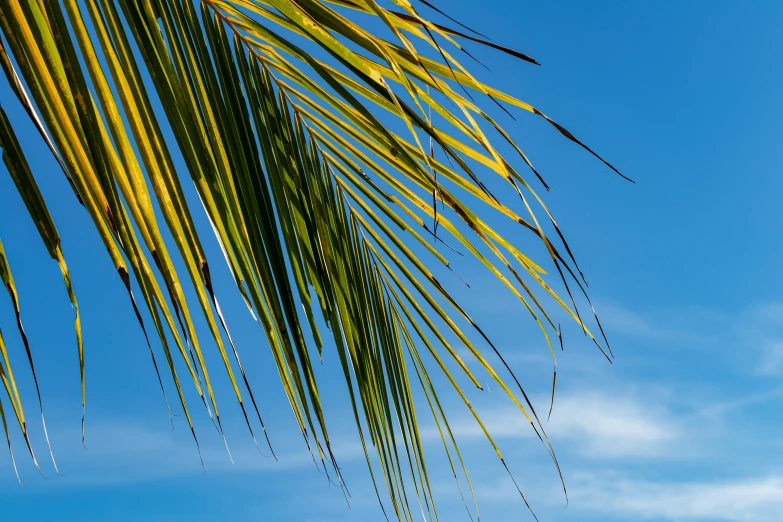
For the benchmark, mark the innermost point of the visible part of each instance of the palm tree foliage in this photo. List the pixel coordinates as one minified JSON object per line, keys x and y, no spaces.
{"x":321,"y":152}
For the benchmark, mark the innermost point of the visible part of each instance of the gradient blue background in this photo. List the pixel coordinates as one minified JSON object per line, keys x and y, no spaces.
{"x":684,"y":267}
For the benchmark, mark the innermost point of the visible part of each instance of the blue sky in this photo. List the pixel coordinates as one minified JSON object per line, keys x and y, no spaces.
{"x":684,"y":97}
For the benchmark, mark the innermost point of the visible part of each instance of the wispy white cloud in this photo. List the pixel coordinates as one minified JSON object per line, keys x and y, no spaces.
{"x":772,"y":357}
{"x":750,"y":500}
{"x":759,"y":330}
{"x":638,"y":324}
{"x":130,"y":450}
{"x":614,"y":426}
{"x":594,"y":423}
{"x":751,"y":336}
{"x":619,"y":496}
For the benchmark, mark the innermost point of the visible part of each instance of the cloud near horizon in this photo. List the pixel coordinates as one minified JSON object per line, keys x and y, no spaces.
{"x":754,"y":499}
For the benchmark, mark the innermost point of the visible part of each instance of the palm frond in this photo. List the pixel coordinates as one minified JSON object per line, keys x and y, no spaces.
{"x":311,"y":142}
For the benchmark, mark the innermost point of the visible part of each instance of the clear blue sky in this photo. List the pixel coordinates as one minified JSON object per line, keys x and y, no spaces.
{"x":684,"y":266}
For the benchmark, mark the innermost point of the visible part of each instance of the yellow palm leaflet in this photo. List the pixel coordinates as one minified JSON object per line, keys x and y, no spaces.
{"x":304,"y":135}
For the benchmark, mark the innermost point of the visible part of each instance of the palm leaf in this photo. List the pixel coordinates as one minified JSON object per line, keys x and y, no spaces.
{"x":311,"y":142}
